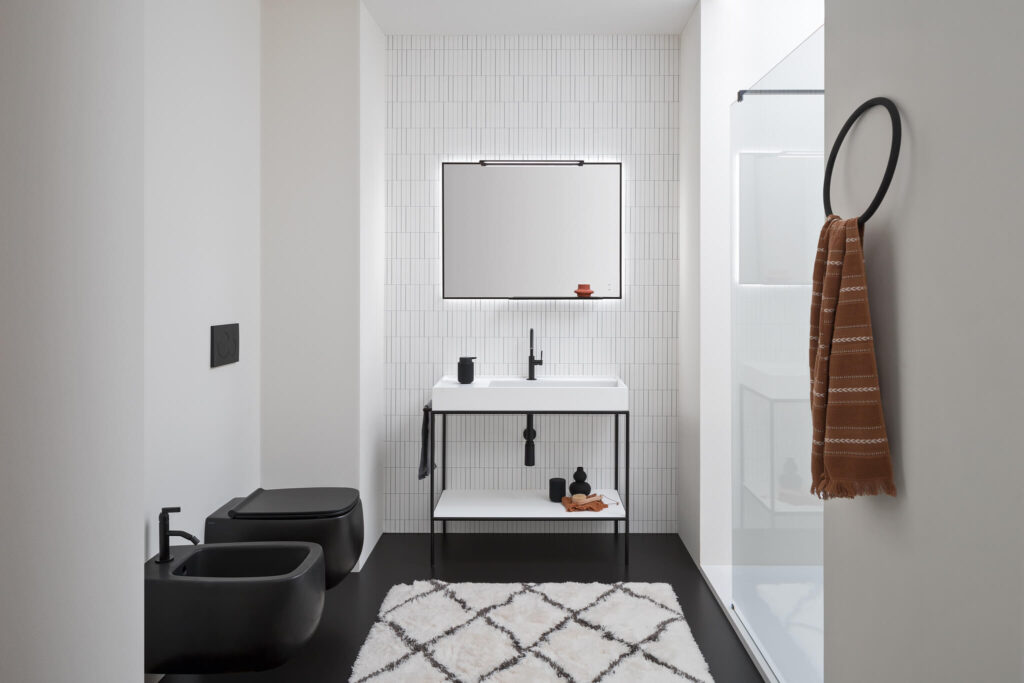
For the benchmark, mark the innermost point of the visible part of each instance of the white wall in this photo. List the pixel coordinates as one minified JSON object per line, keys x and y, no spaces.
{"x":930,"y":585}
{"x":202,"y":263}
{"x":320,"y":219}
{"x":688,"y":487}
{"x":71,"y":351}
{"x":740,"y":41}
{"x":464,"y":98}
{"x":372,"y":117}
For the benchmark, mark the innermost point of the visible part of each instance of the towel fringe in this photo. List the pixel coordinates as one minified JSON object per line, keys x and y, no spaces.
{"x":832,"y":488}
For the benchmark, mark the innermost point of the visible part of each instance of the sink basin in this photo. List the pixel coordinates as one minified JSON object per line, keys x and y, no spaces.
{"x":520,"y":395}
{"x":520,"y":383}
{"x":226,"y":607}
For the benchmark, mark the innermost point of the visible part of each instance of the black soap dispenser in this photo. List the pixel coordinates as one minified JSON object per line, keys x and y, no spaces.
{"x":466,"y":369}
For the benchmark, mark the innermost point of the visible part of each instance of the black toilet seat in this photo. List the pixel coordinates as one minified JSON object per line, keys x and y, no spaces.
{"x":300,"y":503}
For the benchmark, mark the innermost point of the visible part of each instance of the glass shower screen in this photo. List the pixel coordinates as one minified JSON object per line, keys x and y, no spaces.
{"x":777,"y":161}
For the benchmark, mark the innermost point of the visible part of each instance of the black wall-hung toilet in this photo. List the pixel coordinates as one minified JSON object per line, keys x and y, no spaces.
{"x":331,"y":517}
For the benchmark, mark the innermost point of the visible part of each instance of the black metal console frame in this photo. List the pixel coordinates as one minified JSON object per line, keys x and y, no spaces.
{"x":444,"y":470}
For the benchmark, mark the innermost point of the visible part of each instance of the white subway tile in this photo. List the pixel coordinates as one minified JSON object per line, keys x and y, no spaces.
{"x":460,"y":98}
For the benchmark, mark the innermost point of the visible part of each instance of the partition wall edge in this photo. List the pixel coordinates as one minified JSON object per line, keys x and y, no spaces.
{"x":372,"y":200}
{"x":71,"y":364}
{"x":688,"y":487}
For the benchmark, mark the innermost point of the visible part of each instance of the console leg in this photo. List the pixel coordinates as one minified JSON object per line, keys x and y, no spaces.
{"x":444,"y":464}
{"x":431,"y":497}
{"x":625,"y":500}
{"x":616,"y":439}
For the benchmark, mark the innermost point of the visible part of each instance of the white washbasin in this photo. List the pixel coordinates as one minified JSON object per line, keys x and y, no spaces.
{"x":518,"y":394}
{"x":544,"y":382}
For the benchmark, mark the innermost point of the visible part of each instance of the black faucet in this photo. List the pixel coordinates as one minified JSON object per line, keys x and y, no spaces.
{"x":534,"y":362}
{"x":166,"y":533}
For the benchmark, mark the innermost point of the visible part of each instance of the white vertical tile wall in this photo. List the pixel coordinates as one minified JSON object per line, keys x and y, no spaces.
{"x":464,"y":98}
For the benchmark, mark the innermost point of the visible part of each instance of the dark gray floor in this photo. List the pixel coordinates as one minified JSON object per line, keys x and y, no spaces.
{"x":402,"y":558}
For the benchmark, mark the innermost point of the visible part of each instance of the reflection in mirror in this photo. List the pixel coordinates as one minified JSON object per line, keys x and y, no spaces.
{"x":777,"y":215}
{"x":531,"y":230}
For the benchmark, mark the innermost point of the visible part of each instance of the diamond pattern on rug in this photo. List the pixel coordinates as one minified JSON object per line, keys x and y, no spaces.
{"x":478,"y":647}
{"x":646,"y":617}
{"x":636,"y":668}
{"x":660,"y":593}
{"x":575,"y":596}
{"x":403,"y":593}
{"x":477,"y":596}
{"x":417,"y":668}
{"x":525,"y":632}
{"x":527,"y":617}
{"x":674,"y":647}
{"x":581,"y":651}
{"x":429,"y":616}
{"x":529,"y":669}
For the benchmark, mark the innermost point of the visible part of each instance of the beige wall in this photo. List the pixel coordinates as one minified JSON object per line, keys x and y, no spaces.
{"x":928,"y":586}
{"x":322,"y":248}
{"x":71,"y":349}
{"x":310,"y":383}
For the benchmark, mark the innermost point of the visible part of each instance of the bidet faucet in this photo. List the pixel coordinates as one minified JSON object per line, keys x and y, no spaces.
{"x":166,"y":533}
{"x":534,"y":362}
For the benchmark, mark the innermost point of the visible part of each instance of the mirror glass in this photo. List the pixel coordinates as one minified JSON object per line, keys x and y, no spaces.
{"x":531,"y":231}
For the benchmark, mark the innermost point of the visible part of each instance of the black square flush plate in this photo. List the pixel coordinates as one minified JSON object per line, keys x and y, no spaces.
{"x":223,"y":344}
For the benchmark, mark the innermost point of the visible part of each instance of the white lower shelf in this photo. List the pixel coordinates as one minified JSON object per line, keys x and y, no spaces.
{"x":484,"y":504}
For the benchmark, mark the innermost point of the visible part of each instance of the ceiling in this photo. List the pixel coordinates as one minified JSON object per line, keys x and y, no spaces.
{"x":511,"y":17}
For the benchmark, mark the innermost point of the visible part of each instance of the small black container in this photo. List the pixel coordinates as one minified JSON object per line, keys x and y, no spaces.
{"x":466,"y":369}
{"x":556,"y":489}
{"x":579,"y":484}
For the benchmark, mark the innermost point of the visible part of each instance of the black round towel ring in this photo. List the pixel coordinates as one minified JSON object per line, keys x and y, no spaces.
{"x":890,"y":168}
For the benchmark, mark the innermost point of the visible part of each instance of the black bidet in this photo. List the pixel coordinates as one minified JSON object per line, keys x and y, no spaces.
{"x":228,"y":607}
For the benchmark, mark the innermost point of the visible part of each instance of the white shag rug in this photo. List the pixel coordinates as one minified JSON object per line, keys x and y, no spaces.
{"x":530,"y":632}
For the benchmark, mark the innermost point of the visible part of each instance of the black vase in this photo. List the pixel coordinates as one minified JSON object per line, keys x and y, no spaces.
{"x":579,"y":484}
{"x":556,"y":489}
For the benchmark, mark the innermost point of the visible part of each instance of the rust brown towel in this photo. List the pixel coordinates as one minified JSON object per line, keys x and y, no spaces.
{"x":593,"y":503}
{"x":850,"y":448}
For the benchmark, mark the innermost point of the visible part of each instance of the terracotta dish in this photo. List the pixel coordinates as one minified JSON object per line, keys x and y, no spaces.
{"x":583,"y":291}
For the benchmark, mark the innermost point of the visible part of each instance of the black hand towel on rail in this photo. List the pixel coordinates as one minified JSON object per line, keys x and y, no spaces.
{"x":425,"y":443}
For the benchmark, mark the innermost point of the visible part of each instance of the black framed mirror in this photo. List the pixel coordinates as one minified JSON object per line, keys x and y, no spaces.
{"x":531,"y":230}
